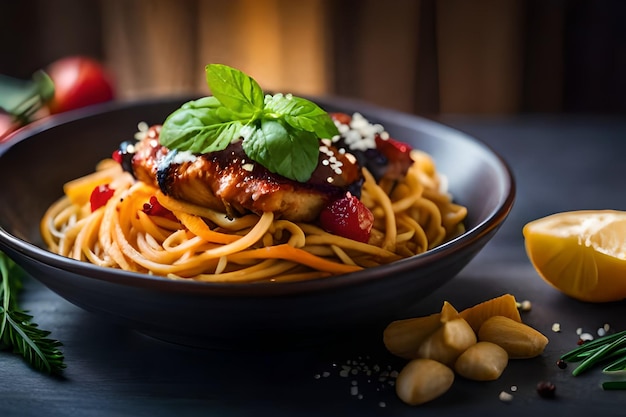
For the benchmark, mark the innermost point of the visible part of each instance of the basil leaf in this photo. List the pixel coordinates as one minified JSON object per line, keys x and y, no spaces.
{"x":200,"y":126}
{"x":301,"y":113}
{"x":237,"y":91}
{"x":283,"y":150}
{"x":280,"y":132}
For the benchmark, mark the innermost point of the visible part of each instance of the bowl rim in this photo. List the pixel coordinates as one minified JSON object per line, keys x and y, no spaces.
{"x":490,"y":223}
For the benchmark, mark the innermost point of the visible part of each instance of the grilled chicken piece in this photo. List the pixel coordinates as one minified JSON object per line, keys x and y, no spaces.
{"x":227,"y":180}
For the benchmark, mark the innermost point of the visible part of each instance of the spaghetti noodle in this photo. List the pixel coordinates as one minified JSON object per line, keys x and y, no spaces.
{"x":411,"y":216}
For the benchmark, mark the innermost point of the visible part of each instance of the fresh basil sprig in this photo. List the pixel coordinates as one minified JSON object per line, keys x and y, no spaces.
{"x":280,"y":132}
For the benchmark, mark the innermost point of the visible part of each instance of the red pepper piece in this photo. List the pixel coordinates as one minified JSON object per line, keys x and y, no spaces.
{"x":397,"y":153}
{"x":117,"y":156}
{"x":348,"y":217}
{"x":154,"y":208}
{"x":100,"y":195}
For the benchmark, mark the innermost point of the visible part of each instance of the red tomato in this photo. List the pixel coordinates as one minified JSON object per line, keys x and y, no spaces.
{"x":348,"y":217}
{"x":78,"y":81}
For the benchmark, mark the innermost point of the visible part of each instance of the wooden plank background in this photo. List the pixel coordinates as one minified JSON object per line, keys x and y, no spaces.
{"x":419,"y":56}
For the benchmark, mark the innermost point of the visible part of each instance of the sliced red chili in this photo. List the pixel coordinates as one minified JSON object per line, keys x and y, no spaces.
{"x":154,"y":208}
{"x":100,"y":195}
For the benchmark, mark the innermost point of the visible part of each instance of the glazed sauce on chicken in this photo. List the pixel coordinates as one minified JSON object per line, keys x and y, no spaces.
{"x":229,"y":181}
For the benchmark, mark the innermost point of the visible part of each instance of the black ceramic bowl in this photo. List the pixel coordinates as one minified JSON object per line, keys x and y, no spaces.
{"x":40,"y":158}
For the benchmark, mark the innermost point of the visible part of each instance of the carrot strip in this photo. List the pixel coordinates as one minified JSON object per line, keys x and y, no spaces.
{"x":300,"y":256}
{"x":198,"y":227}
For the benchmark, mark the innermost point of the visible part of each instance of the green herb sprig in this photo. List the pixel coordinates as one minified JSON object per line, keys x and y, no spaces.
{"x":17,"y":331}
{"x":280,"y":132}
{"x":23,"y":98}
{"x":608,"y":351}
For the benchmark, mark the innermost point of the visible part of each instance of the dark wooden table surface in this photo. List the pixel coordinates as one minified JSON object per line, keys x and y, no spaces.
{"x":560,"y":163}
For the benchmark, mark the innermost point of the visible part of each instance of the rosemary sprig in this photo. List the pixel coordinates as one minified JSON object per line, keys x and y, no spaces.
{"x":604,"y":349}
{"x":17,"y":331}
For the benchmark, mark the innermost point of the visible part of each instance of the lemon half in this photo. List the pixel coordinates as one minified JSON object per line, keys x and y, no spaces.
{"x":581,"y":253}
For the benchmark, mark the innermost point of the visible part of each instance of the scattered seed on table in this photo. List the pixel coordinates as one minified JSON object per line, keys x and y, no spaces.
{"x":505,"y":397}
{"x":546,"y":389}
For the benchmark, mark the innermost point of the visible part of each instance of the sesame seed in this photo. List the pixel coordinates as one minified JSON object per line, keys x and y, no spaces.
{"x":360,"y":134}
{"x":183,"y":156}
{"x":142,"y":130}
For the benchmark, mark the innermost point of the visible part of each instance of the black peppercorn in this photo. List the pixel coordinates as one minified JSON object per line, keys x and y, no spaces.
{"x":546,"y":389}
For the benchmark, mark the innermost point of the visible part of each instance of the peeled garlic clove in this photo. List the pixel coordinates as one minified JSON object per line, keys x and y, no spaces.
{"x":423,"y":380}
{"x":448,"y":342}
{"x":484,"y":361}
{"x":518,"y":339}
{"x":448,"y":312}
{"x":404,"y":337}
